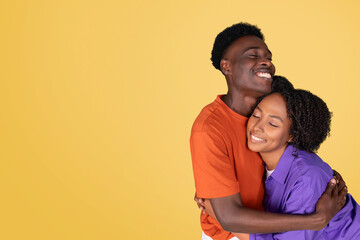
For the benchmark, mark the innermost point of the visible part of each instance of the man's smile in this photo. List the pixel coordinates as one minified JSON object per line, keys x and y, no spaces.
{"x":263,"y":75}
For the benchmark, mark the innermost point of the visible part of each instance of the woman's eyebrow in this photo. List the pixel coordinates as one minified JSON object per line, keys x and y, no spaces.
{"x":277,"y":117}
{"x":273,"y":116}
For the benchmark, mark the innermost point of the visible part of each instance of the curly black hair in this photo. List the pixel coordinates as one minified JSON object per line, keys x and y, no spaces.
{"x":310,"y":119}
{"x":309,"y":115}
{"x":281,"y":83}
{"x":224,"y":39}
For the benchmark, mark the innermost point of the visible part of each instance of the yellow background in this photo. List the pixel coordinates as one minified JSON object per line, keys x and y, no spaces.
{"x":98,"y":98}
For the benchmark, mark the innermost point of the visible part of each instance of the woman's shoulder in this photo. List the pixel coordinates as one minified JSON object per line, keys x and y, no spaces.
{"x":308,"y":161}
{"x":307,"y":180}
{"x":309,"y":167}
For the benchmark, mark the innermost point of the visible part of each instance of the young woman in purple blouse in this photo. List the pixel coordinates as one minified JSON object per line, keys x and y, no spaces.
{"x":286,"y":128}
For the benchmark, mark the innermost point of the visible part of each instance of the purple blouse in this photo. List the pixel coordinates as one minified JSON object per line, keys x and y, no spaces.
{"x":299,"y":180}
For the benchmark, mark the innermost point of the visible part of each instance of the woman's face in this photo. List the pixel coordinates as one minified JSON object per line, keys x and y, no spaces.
{"x":268,"y":127}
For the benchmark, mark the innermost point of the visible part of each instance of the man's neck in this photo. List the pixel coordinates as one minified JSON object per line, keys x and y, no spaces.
{"x":239,"y":103}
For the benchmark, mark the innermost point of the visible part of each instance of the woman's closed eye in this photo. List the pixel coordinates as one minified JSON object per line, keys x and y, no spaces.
{"x":273,"y":124}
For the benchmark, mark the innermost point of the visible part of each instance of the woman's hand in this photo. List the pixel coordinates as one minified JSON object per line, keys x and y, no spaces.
{"x":200,"y":203}
{"x":205,"y":206}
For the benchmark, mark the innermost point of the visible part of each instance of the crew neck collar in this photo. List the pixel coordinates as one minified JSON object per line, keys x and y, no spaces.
{"x":229,"y":110}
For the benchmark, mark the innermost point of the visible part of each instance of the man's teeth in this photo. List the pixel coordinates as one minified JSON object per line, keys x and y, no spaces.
{"x":264,"y":75}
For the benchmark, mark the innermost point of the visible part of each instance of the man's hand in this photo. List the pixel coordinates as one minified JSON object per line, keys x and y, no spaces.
{"x":329,"y":204}
{"x":341,"y":186}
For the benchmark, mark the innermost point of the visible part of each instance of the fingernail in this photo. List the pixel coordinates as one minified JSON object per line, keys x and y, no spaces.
{"x":332,"y":181}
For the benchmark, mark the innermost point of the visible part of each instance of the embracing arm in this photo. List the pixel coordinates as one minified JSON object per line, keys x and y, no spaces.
{"x":234,"y":217}
{"x":341,"y":184}
{"x":210,"y":162}
{"x":205,"y":204}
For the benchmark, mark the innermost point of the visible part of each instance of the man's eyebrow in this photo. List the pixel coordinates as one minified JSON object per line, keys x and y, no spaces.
{"x":249,"y":48}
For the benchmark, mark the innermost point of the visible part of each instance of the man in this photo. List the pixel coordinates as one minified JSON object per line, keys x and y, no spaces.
{"x":227,"y":174}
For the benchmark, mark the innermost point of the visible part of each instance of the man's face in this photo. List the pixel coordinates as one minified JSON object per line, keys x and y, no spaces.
{"x":250,"y":66}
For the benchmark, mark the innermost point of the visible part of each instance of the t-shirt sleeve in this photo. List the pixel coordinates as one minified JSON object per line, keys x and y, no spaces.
{"x":214,"y":172}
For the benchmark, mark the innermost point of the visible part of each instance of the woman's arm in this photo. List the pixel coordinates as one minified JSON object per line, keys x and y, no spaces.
{"x":233,"y":217}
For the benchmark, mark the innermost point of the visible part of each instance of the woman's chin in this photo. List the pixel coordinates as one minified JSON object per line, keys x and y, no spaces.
{"x":253,"y":147}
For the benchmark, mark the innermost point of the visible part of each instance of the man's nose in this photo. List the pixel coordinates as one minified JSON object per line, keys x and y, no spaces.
{"x":265,"y":61}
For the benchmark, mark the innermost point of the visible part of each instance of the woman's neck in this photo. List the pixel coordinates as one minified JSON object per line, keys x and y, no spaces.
{"x":271,"y":159}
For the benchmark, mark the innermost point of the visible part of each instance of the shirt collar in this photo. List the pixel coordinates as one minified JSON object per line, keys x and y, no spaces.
{"x":283,"y":167}
{"x":229,"y":110}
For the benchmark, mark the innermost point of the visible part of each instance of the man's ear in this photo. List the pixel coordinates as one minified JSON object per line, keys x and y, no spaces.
{"x":225,"y":66}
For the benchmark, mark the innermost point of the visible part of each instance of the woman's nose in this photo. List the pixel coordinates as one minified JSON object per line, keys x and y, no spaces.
{"x":259,"y":127}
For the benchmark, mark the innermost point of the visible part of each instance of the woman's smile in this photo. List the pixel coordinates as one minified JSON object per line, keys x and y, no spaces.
{"x":268,"y":129}
{"x":256,"y":138}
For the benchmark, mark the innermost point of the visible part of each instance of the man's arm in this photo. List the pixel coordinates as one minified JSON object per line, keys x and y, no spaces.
{"x":341,"y":184}
{"x":205,"y":204}
{"x":301,"y":199}
{"x":234,"y":217}
{"x":323,"y":205}
{"x":208,"y":148}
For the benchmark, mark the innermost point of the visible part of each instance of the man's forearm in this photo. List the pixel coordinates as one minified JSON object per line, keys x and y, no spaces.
{"x":233,"y":217}
{"x":247,"y":220}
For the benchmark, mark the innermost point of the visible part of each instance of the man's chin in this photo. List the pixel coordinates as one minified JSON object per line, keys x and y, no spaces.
{"x":264,"y":90}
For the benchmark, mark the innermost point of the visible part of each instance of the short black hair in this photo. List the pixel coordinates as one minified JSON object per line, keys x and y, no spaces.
{"x":224,"y":39}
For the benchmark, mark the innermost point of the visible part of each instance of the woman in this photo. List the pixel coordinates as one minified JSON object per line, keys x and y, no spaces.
{"x":286,"y":128}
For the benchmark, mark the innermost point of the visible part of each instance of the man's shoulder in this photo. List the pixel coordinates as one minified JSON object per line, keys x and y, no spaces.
{"x":211,"y":116}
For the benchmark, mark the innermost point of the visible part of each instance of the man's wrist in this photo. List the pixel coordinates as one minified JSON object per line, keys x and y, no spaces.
{"x":318,"y":220}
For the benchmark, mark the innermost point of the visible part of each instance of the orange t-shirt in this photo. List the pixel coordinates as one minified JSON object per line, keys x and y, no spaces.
{"x":222,"y":163}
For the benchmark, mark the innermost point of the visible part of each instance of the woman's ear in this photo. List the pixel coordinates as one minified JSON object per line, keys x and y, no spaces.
{"x":290,"y":139}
